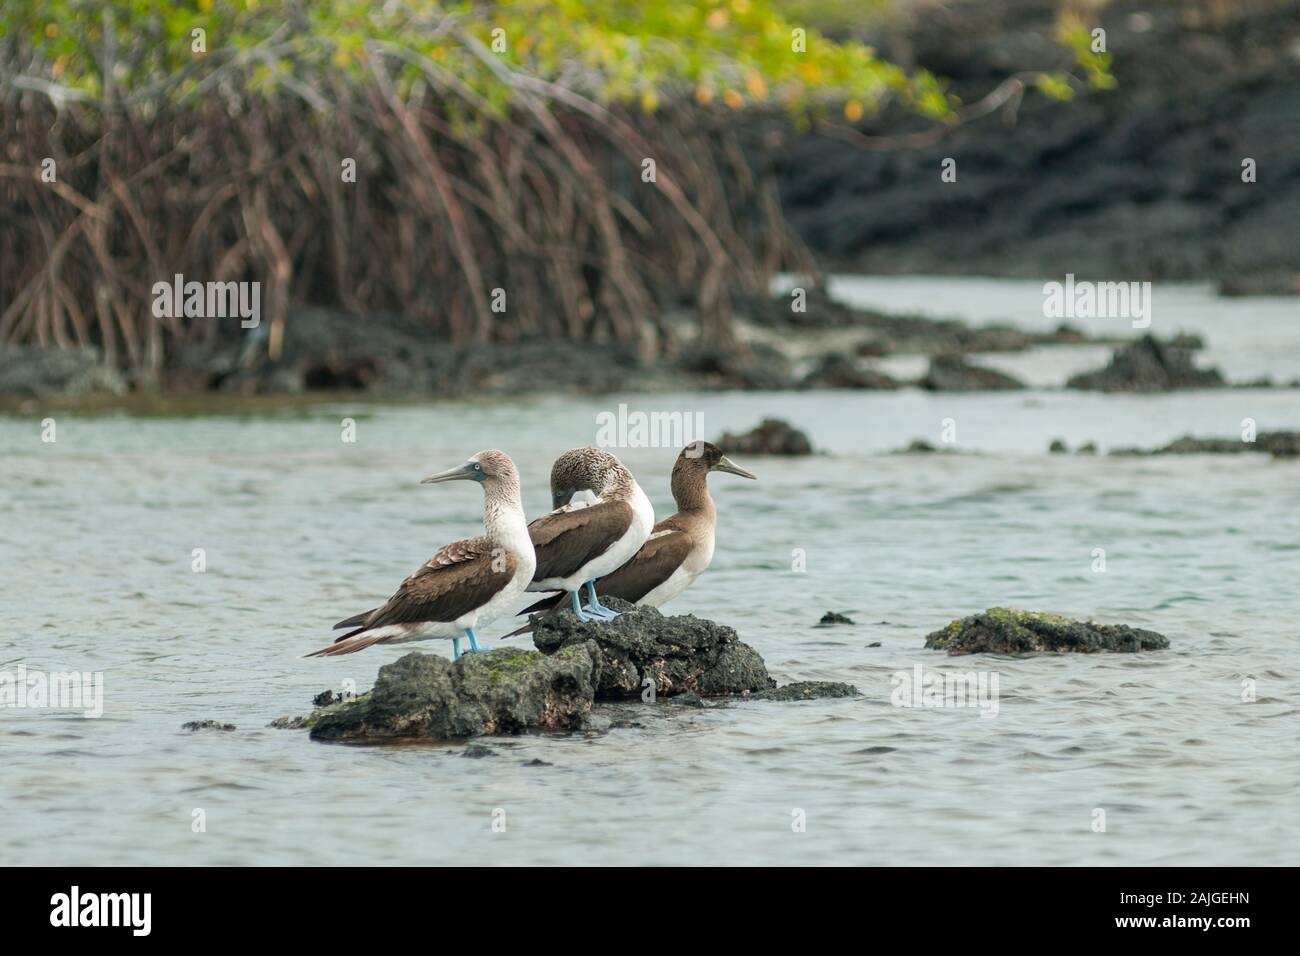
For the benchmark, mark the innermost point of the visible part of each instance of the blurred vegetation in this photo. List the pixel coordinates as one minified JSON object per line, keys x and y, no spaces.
{"x":496,"y":145}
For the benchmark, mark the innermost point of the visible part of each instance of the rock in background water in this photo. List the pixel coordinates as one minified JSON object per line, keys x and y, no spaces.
{"x":1001,"y":630}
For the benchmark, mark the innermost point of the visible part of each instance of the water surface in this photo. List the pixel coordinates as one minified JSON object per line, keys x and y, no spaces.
{"x":299,"y":529}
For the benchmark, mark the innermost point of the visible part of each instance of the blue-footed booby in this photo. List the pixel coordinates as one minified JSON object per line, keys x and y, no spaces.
{"x":467,"y":583}
{"x":580,"y":542}
{"x":681,"y":547}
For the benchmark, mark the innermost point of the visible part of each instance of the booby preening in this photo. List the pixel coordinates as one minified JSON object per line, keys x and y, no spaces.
{"x":680,"y":547}
{"x":467,"y":583}
{"x":580,"y":542}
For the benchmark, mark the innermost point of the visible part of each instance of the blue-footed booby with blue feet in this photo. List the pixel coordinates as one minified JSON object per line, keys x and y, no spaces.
{"x":466,"y":584}
{"x":581,"y":541}
{"x":680,"y":548}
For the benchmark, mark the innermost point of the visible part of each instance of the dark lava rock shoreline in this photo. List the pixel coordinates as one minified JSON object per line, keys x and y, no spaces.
{"x":329,"y":353}
{"x":1142,"y":181}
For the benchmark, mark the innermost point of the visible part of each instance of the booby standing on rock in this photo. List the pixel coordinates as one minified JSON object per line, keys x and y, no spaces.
{"x":680,"y":547}
{"x":467,"y":583}
{"x":580,"y":542}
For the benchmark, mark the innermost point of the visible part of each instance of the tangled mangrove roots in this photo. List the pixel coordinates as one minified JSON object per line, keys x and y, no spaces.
{"x":550,"y":208}
{"x":573,"y":180}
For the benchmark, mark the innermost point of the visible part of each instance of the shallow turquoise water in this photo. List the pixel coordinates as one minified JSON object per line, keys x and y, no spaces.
{"x":299,"y":528}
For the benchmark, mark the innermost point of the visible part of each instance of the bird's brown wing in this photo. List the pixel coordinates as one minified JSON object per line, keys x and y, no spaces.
{"x":459,"y":578}
{"x":650,"y":567}
{"x":567,"y":539}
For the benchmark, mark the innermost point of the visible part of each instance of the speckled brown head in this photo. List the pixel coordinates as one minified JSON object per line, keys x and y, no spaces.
{"x":587,"y":469}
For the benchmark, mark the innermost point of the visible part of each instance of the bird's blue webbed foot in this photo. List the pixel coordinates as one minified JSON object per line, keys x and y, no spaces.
{"x":473,"y":641}
{"x":595,"y":607}
{"x":582,"y":614}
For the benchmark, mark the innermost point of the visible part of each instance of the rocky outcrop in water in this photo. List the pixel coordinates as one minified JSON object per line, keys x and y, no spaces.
{"x":951,"y":373}
{"x":1001,"y":630}
{"x":831,"y":618}
{"x":1149,"y":365}
{"x":807,"y":690}
{"x":677,"y":654}
{"x":496,"y":692}
{"x":196,"y":725}
{"x":578,"y":666}
{"x":772,"y":437}
{"x":893,"y":334}
{"x":1282,"y":444}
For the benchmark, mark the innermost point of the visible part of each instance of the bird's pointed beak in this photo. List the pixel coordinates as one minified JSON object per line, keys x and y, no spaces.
{"x":731,"y":468}
{"x":561,"y":498}
{"x":452,"y":474}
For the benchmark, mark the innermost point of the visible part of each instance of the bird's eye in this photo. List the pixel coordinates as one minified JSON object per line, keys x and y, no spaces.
{"x":477,"y":466}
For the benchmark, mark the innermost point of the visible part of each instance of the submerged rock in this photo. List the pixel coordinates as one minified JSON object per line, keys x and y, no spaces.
{"x":952,"y":373}
{"x":919,"y":446}
{"x":771,"y":437}
{"x":1282,"y":444}
{"x":499,"y":691}
{"x":206,"y":725}
{"x":1149,"y":365}
{"x":1001,"y":630}
{"x":834,"y":617}
{"x":807,"y":690}
{"x":679,"y":654}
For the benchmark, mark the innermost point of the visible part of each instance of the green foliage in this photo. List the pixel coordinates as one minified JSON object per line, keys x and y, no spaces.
{"x":732,"y":53}
{"x":1077,"y":37}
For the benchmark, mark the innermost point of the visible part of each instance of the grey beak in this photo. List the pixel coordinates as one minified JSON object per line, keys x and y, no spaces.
{"x":561,"y":498}
{"x":731,"y":468}
{"x":453,"y":474}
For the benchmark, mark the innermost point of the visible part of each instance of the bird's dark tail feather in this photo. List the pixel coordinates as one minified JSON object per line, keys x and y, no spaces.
{"x":358,"y":640}
{"x":356,"y":620}
{"x":548,"y":603}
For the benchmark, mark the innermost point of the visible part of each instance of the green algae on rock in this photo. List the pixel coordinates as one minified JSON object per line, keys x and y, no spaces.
{"x":501,"y":691}
{"x":577,"y":665}
{"x":1001,"y":630}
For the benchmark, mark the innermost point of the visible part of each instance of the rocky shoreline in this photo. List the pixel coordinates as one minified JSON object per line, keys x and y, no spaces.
{"x":1142,"y":181}
{"x":830,"y":346}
